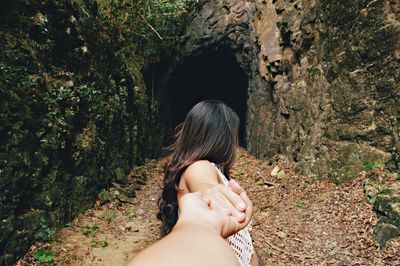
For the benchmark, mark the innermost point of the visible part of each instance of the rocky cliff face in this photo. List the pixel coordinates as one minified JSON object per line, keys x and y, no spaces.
{"x":74,"y":116}
{"x":318,"y":81}
{"x":323,"y":78}
{"x":322,"y":85}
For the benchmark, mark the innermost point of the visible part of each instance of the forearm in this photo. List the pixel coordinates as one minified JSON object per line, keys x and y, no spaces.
{"x":189,"y":243}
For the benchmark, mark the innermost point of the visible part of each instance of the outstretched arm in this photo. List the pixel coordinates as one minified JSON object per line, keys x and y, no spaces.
{"x":197,"y":237}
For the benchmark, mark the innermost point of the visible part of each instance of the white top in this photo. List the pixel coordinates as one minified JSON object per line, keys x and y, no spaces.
{"x":240,"y":242}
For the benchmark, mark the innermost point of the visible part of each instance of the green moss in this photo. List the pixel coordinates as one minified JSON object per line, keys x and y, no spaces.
{"x":348,"y":160}
{"x":384,"y":232}
{"x":74,"y":109}
{"x":388,"y":207}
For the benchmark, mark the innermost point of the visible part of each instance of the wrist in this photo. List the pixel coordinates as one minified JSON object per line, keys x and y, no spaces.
{"x":196,"y":223}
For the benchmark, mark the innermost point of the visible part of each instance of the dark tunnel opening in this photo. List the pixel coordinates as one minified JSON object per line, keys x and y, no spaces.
{"x":213,"y":75}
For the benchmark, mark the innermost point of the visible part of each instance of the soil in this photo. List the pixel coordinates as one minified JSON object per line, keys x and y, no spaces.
{"x":297,"y":221}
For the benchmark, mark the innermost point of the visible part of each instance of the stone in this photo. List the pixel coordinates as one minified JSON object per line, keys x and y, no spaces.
{"x":384,"y":232}
{"x":371,"y":189}
{"x":120,"y":176}
{"x":129,"y":226}
{"x":282,"y":234}
{"x":275,"y":171}
{"x":281,"y":174}
{"x":390,"y":210}
{"x":104,"y":197}
{"x":123,"y":198}
{"x":387,"y":203}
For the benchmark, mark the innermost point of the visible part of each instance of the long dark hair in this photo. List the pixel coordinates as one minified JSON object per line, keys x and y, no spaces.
{"x":209,"y":132}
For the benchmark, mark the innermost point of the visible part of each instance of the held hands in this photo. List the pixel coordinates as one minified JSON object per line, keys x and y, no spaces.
{"x":196,"y":237}
{"x":227,"y":208}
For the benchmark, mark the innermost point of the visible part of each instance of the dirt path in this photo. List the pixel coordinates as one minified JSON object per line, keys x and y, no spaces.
{"x":296,"y":221}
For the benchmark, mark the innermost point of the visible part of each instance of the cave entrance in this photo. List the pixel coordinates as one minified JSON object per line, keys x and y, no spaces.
{"x":214,"y":75}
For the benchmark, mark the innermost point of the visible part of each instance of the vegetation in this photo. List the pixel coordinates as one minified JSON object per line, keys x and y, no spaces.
{"x":43,"y":257}
{"x":110,"y":216}
{"x":90,"y":231}
{"x":45,"y":232}
{"x":369,"y":166}
{"x":74,"y":110}
{"x":151,"y":27}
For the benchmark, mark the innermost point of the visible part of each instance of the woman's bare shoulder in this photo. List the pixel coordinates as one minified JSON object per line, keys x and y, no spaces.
{"x":200,"y":175}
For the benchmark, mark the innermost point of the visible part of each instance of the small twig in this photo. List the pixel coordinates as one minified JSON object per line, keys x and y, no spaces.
{"x":298,"y":239}
{"x":372,"y":2}
{"x":91,"y":255}
{"x":346,"y":253}
{"x":288,"y":253}
{"x":268,"y":183}
{"x":139,"y":34}
{"x":151,"y":27}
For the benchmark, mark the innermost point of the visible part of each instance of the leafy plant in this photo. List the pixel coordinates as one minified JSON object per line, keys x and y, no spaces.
{"x":130,"y":214}
{"x":110,"y":216}
{"x":90,"y":231}
{"x":94,"y":243}
{"x":300,"y":203}
{"x":45,"y":232}
{"x":43,"y":257}
{"x":103,"y":243}
{"x":369,"y":166}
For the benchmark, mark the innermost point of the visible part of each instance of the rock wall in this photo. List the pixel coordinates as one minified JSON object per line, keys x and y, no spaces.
{"x":343,"y":86}
{"x":323,"y":78}
{"x":74,"y":116}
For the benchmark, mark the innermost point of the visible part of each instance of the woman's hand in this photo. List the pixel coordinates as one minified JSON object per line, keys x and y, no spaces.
{"x":231,"y":200}
{"x":236,"y":188}
{"x":196,"y":210}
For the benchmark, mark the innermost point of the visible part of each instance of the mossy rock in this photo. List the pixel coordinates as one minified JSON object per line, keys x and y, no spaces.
{"x":32,"y":220}
{"x":383,"y":232}
{"x":19,"y":242}
{"x":104,"y":197}
{"x":350,"y":159}
{"x":120,"y":176}
{"x":387,"y":203}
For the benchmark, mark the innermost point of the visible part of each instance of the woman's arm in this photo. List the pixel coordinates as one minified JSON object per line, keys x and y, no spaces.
{"x":199,"y":177}
{"x":202,"y":177}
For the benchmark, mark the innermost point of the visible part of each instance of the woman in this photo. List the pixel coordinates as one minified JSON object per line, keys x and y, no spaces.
{"x":201,"y":159}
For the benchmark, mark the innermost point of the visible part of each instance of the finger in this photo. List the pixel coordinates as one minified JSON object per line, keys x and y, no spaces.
{"x":207,"y":200}
{"x":229,"y":227}
{"x":240,"y":216}
{"x":249,"y":209}
{"x":235,"y":186}
{"x":218,"y":205}
{"x":234,"y":198}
